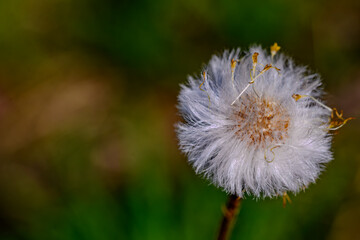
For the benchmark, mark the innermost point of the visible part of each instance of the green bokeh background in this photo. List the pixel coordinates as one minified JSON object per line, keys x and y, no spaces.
{"x":88,"y":105}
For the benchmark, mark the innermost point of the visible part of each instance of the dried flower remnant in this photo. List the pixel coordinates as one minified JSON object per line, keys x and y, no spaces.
{"x":204,"y":76}
{"x":266,"y":68}
{"x":254,"y":60}
{"x":260,"y":142}
{"x":286,"y":199}
{"x":233,"y":66}
{"x":274,"y":49}
{"x":336,"y":120}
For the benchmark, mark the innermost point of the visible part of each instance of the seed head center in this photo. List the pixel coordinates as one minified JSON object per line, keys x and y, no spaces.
{"x":261,"y":121}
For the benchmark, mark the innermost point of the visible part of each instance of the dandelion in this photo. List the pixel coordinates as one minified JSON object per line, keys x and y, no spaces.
{"x":256,"y":137}
{"x":255,"y":126}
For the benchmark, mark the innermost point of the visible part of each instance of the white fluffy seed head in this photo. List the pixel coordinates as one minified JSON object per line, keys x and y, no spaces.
{"x":265,"y":143}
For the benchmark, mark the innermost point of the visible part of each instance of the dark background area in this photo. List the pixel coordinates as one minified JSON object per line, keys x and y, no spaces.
{"x":88,"y":105}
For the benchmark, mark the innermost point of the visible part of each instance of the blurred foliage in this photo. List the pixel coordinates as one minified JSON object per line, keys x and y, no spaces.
{"x":87,"y":107}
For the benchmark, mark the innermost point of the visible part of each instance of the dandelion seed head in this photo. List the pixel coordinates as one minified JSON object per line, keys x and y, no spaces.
{"x":254,"y":138}
{"x":261,"y":121}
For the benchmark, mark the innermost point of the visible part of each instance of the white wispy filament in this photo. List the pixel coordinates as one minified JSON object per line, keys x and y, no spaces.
{"x":260,"y":142}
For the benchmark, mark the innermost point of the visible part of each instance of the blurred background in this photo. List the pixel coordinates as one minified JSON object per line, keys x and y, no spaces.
{"x":88,"y":94}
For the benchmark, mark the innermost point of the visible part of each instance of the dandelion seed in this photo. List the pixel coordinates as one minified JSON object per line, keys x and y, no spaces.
{"x":228,"y":141}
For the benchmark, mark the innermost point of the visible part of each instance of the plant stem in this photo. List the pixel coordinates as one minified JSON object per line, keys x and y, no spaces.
{"x":230,"y":214}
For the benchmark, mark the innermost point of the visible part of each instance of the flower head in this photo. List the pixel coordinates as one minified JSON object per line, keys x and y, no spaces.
{"x":244,"y":131}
